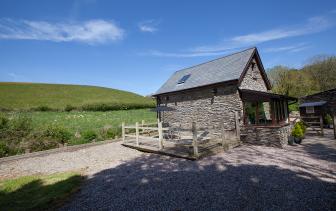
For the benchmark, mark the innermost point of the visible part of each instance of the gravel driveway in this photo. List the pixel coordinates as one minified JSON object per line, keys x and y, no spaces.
{"x":245,"y":178}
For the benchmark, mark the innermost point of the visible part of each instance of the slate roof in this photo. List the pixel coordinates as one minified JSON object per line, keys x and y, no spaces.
{"x":319,"y":103}
{"x":223,"y":69}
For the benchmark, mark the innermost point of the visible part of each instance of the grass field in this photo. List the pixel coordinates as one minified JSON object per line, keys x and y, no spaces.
{"x":36,"y":131}
{"x":27,"y":96}
{"x":77,"y":121}
{"x":38,"y":192}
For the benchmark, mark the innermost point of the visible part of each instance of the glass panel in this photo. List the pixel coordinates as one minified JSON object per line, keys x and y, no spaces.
{"x":250,"y":112}
{"x":183,"y":79}
{"x":264,"y":109}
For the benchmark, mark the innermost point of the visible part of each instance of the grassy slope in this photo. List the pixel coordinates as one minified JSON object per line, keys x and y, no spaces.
{"x":81,"y":121}
{"x":57,"y":96}
{"x":37,"y":192}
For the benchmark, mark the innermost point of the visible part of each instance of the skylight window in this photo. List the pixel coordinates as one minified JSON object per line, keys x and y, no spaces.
{"x":183,"y":79}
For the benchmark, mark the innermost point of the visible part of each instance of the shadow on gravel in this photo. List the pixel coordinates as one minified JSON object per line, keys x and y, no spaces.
{"x":321,"y":151}
{"x":156,"y":182}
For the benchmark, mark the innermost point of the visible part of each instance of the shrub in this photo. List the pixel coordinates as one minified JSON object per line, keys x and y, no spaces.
{"x":328,"y":120}
{"x":4,"y":149}
{"x":35,"y":145}
{"x":110,"y":133}
{"x":20,"y":126}
{"x":303,"y":126}
{"x":3,"y":121}
{"x":89,"y":135}
{"x":297,"y":131}
{"x":57,"y":133}
{"x":42,"y":108}
{"x":114,"y":106}
{"x":69,"y":108}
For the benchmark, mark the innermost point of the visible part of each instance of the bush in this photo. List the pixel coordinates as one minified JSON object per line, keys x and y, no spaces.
{"x":89,"y":135}
{"x":114,"y":106}
{"x":20,"y":126}
{"x":42,"y":108}
{"x":69,"y":108}
{"x":328,"y":120}
{"x":4,"y":149}
{"x":3,"y":121}
{"x":35,"y":145}
{"x":303,"y":126}
{"x":110,"y":133}
{"x":57,"y":133}
{"x":297,"y":131}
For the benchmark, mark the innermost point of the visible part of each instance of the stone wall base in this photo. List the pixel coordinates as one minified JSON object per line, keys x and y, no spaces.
{"x":266,"y":136}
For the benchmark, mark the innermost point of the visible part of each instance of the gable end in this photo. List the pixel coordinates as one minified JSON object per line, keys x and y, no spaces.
{"x":255,"y":56}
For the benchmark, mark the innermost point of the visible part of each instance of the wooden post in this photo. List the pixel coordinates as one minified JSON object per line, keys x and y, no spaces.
{"x":286,"y":111}
{"x":237,"y":125}
{"x":123,"y":131}
{"x":160,"y":135}
{"x":137,"y":133}
{"x":334,"y":125}
{"x":321,"y":124}
{"x":224,"y":137}
{"x":195,"y":145}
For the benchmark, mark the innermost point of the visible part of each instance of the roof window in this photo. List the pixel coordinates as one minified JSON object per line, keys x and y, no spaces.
{"x":183,"y":79}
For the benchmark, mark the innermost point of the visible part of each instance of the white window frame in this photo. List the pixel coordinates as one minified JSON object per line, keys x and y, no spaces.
{"x":310,"y":110}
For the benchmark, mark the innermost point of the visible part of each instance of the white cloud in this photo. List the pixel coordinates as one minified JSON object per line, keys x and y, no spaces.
{"x":312,"y":25}
{"x":182,"y":55}
{"x":290,"y":48}
{"x":148,"y":26}
{"x":91,"y":32}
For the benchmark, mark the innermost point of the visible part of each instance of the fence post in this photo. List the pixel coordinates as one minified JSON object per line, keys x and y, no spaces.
{"x":334,"y":125}
{"x":223,"y":134}
{"x":137,"y":133}
{"x":160,"y":135}
{"x":237,"y":125}
{"x":195,"y":146}
{"x":123,"y":131}
{"x":321,"y":124}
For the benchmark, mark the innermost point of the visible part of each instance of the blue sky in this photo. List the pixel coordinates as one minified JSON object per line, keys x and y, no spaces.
{"x":137,"y":45}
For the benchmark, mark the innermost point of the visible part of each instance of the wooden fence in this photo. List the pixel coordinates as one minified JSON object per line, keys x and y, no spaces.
{"x":157,"y":133}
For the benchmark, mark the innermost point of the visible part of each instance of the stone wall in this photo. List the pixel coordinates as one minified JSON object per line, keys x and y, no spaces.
{"x":267,"y":136}
{"x":253,"y":79}
{"x":208,"y":109}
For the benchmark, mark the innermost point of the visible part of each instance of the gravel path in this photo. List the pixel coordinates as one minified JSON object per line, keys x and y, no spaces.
{"x":245,"y":178}
{"x":89,"y":161}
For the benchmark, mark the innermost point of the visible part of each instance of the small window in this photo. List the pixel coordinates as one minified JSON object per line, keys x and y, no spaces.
{"x":183,"y":79}
{"x":310,"y":110}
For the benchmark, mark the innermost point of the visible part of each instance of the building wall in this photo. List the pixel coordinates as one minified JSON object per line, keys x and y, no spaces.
{"x":210,"y":111}
{"x":202,"y":106}
{"x":253,"y":79}
{"x":267,"y":136}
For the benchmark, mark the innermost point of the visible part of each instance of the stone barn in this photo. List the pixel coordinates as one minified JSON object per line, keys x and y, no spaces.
{"x":213,"y":93}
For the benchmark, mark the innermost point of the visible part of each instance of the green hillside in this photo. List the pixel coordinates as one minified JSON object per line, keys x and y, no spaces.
{"x":30,"y":96}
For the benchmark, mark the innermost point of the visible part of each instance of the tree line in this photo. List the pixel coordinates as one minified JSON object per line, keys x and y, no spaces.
{"x":318,"y":75}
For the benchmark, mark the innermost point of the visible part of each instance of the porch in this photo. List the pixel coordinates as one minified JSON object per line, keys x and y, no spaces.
{"x":192,"y":144}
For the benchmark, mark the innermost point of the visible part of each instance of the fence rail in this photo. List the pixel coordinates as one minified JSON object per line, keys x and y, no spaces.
{"x":195,"y":142}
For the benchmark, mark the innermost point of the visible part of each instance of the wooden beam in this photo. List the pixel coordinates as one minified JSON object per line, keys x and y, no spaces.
{"x":123,"y":131}
{"x":195,"y":144}
{"x":137,"y":133}
{"x":334,"y":125}
{"x":160,"y":135}
{"x":237,"y":125}
{"x":321,"y":124}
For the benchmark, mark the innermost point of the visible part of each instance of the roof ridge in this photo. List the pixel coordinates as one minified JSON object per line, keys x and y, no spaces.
{"x":217,"y":58}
